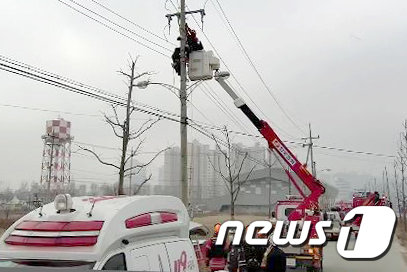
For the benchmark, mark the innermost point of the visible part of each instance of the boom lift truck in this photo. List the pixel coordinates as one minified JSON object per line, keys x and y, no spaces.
{"x":306,"y":208}
{"x":201,"y":66}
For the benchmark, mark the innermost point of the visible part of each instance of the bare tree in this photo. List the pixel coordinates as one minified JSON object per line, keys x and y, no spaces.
{"x":402,"y":162}
{"x":124,"y":131}
{"x":397,"y":187}
{"x":231,"y":175}
{"x":270,"y":164}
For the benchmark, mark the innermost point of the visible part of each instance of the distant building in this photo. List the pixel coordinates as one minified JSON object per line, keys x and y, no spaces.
{"x":345,"y":190}
{"x":205,"y":183}
{"x":82,"y":189}
{"x":169,"y":174}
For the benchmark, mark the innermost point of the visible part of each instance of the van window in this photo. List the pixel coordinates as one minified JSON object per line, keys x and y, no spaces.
{"x":288,"y":211}
{"x":116,"y":262}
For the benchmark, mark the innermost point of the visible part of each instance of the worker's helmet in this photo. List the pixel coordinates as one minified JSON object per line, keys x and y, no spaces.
{"x":216,"y":228}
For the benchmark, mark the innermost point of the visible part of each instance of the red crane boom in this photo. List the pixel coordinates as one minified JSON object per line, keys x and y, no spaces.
{"x":274,"y":142}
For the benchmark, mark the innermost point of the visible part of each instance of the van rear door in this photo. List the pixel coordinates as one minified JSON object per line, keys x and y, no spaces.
{"x":149,"y":258}
{"x":182,"y":256}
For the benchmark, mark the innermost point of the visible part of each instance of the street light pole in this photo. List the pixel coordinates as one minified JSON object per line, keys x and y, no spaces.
{"x":183,"y":95}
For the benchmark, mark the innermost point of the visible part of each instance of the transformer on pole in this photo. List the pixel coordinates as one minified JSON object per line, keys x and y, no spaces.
{"x":56,"y":157}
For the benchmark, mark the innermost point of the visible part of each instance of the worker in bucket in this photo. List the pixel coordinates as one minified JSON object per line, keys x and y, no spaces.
{"x":215,"y":254}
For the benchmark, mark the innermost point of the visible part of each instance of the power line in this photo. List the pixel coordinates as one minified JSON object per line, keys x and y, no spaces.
{"x":301,"y":144}
{"x":122,"y":27}
{"x":45,"y":110}
{"x":79,"y":84}
{"x":200,"y":112}
{"x":256,"y":70}
{"x":67,"y":87}
{"x":58,"y":77}
{"x":115,"y":30}
{"x":77,"y":90}
{"x":173,"y":4}
{"x":222,"y":107}
{"x":131,"y":22}
{"x":237,"y":81}
{"x":222,"y":142}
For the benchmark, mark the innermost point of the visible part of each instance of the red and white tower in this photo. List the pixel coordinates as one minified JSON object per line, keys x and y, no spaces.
{"x":56,"y":157}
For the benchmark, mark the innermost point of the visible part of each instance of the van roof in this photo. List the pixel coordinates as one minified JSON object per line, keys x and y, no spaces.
{"x":87,"y":233}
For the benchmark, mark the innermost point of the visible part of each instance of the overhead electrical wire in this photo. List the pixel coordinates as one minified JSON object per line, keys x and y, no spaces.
{"x":45,"y":110}
{"x":110,"y":21}
{"x":77,"y":90}
{"x":224,"y":109}
{"x":131,"y":22}
{"x":115,"y":30}
{"x":241,"y":46}
{"x":238,"y":82}
{"x":120,"y":26}
{"x":54,"y":82}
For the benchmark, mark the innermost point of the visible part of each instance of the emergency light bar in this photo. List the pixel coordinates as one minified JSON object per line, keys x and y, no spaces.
{"x":51,"y":241}
{"x":63,"y":234}
{"x":148,"y":219}
{"x":60,"y":226}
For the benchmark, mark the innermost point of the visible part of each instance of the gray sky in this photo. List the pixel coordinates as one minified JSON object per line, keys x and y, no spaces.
{"x":340,"y":65}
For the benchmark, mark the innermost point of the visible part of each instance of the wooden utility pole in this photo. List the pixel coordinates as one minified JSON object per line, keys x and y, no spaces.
{"x":183,"y":98}
{"x":310,"y":153}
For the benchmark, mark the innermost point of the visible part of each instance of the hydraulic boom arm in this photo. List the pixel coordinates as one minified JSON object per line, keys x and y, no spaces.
{"x":315,"y":187}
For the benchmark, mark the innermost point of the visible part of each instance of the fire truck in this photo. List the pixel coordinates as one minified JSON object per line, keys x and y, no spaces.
{"x":136,"y":233}
{"x":363,"y":198}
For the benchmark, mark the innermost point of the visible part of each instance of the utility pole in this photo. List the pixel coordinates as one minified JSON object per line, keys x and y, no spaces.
{"x":310,"y":153}
{"x":131,"y":172}
{"x":183,"y":98}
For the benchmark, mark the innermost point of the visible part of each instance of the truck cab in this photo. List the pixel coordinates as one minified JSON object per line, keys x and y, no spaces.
{"x":137,"y":233}
{"x":298,"y":257}
{"x":333,"y":232}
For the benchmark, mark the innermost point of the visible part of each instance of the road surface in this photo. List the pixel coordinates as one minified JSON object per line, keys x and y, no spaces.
{"x":392,"y":262}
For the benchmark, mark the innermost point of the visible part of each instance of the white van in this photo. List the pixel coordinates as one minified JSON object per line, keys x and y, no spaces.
{"x":137,"y":233}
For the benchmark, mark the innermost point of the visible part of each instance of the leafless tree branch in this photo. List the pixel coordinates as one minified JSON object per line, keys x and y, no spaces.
{"x":141,"y":185}
{"x":143,"y":128}
{"x":134,"y":152}
{"x":98,"y":157}
{"x":148,"y":163}
{"x":113,"y":126}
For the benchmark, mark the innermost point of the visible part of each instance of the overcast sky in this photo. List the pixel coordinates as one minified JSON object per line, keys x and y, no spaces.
{"x":340,"y":65}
